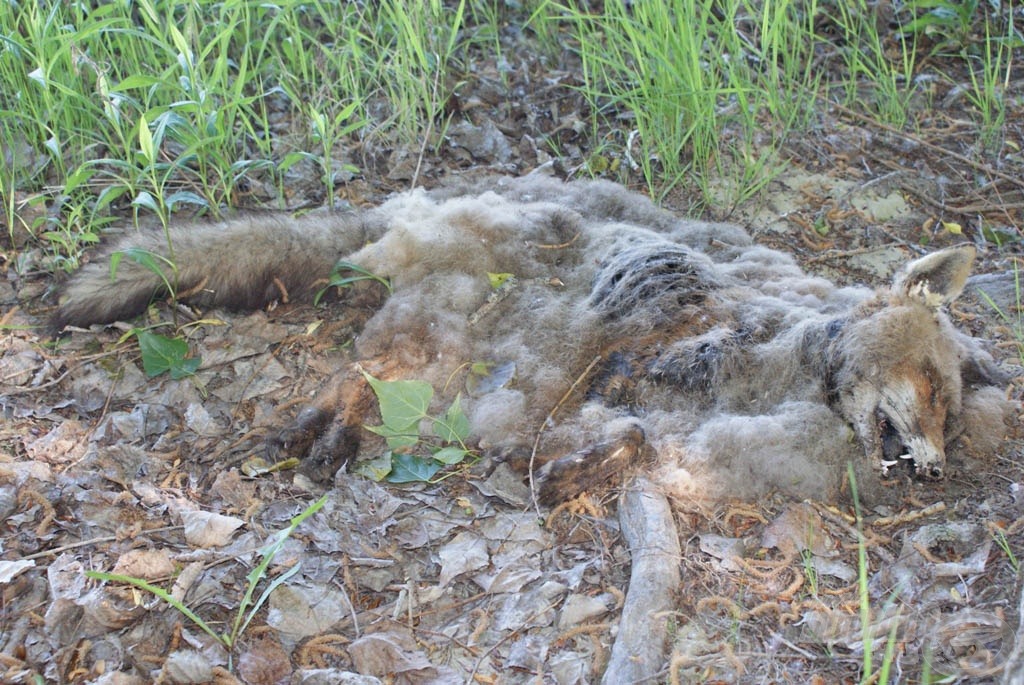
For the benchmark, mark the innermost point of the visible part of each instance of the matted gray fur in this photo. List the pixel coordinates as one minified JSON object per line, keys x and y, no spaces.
{"x":743,"y":373}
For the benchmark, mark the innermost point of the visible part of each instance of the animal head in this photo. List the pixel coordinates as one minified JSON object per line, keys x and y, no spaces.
{"x":897,"y":365}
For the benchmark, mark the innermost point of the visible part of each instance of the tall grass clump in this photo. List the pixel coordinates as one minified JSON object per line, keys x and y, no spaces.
{"x":701,"y":81}
{"x":425,"y":38}
{"x":711,"y":88}
{"x":650,"y":66}
{"x":879,"y":74}
{"x":159,"y":106}
{"x":155,"y":106}
{"x":990,"y":67}
{"x":374,"y":69}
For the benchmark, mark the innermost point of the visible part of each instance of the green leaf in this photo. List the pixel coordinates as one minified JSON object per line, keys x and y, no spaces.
{"x":115,"y":261}
{"x":185,"y":56}
{"x":375,"y":469}
{"x":151,"y":261}
{"x":402,"y":403}
{"x":146,"y":200}
{"x":398,"y":437}
{"x":160,"y":354}
{"x":497,"y":280}
{"x":144,"y":258}
{"x":346,"y":112}
{"x":407,"y":468}
{"x":293,"y":158}
{"x":109,"y":195}
{"x":136,"y":81}
{"x":78,"y":177}
{"x":454,"y":427}
{"x":338,"y":280}
{"x":146,"y":140}
{"x":450,"y":455}
{"x":185,"y":197}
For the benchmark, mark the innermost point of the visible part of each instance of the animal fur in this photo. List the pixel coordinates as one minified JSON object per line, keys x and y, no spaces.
{"x":741,"y":372}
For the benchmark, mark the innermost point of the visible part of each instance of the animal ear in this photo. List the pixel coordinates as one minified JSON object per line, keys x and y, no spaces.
{"x":938,"y":278}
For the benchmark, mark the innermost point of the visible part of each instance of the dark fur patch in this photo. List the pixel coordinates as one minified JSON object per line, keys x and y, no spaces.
{"x":693,"y":364}
{"x":591,"y":468}
{"x":819,"y":352}
{"x":665,"y":280}
{"x":615,"y":382}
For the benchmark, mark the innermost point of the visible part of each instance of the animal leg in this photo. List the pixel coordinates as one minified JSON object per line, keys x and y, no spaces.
{"x":590,"y":468}
{"x":327,"y":432}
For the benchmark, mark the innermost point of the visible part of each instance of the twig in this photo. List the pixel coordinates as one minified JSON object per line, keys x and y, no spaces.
{"x":508,"y":636}
{"x":979,"y":166}
{"x":91,"y":541}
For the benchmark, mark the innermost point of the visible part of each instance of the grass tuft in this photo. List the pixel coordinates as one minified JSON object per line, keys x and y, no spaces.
{"x":153,"y":107}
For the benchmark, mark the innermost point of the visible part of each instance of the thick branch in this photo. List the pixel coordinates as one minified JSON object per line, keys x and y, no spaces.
{"x":650,"y":531}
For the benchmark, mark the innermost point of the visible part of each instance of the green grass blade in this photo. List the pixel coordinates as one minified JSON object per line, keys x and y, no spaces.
{"x":165,"y":596}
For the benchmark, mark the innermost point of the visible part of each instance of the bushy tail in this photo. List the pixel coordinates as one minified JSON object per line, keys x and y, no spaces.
{"x":239,"y":264}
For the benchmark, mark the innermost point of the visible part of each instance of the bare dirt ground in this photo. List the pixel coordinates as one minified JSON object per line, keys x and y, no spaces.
{"x":104,"y":469}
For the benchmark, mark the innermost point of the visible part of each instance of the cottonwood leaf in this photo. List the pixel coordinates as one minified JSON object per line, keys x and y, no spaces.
{"x":454,"y":427}
{"x":408,"y":468}
{"x":386,"y":653}
{"x":297,"y":611}
{"x":450,"y":455}
{"x":464,"y":553}
{"x":402,"y":403}
{"x":205,"y":529}
{"x":398,"y":437}
{"x":9,"y":569}
{"x":376,"y":469}
{"x":148,"y":564}
{"x":161,"y":354}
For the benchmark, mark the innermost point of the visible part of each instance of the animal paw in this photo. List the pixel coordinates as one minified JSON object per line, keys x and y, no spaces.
{"x":591,"y":468}
{"x":320,"y":440}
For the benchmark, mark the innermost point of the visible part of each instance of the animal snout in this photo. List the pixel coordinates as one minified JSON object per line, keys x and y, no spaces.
{"x":929,"y":462}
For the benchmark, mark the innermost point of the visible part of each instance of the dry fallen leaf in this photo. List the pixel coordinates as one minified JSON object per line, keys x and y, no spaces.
{"x":10,"y":569}
{"x":148,"y":564}
{"x":264,"y":663}
{"x":387,"y":653}
{"x":298,"y":612}
{"x":205,"y":529}
{"x":466,"y":552}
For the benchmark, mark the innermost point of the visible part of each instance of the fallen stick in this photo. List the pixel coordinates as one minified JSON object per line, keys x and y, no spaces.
{"x":650,"y":532}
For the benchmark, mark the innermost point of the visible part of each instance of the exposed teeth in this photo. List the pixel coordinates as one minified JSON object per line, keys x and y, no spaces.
{"x":905,"y":456}
{"x":887,"y":464}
